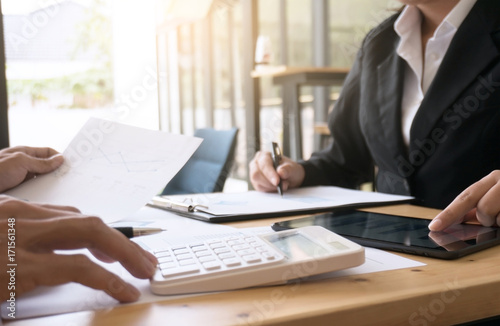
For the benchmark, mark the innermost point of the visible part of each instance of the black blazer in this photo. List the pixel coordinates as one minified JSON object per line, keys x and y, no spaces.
{"x":455,"y":135}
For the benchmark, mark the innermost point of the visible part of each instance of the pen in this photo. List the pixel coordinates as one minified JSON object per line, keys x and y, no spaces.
{"x":131,"y":232}
{"x":276,"y":153}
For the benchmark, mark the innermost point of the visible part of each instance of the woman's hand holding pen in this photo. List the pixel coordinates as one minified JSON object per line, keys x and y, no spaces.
{"x":265,"y":178}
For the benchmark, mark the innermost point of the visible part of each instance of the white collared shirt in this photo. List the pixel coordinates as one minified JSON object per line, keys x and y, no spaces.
{"x":419,"y":73}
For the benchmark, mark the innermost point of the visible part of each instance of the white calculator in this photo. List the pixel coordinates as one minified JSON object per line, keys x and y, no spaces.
{"x":235,"y":262}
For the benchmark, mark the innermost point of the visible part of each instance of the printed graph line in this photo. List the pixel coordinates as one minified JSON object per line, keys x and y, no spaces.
{"x":131,"y":165}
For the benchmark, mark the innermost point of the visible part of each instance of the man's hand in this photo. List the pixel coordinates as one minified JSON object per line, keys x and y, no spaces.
{"x":265,"y":178}
{"x":18,"y":164}
{"x":479,"y":202}
{"x":42,"y":229}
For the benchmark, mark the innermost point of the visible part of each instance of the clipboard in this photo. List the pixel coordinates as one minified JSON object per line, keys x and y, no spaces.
{"x":227,"y":207}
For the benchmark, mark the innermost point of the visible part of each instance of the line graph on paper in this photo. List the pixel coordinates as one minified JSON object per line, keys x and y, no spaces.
{"x":111,"y":169}
{"x":131,"y":162}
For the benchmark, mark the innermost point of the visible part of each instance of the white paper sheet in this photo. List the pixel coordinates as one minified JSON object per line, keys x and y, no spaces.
{"x":256,"y":202}
{"x":111,"y":170}
{"x":75,"y":297}
{"x":375,"y":261}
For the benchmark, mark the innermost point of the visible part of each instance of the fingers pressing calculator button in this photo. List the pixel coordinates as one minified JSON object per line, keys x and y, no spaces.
{"x":215,"y":256}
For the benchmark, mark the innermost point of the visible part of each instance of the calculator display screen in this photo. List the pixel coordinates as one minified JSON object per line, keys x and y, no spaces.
{"x":297,"y":246}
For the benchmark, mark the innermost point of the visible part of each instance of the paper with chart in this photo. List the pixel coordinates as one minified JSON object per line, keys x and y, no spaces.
{"x":111,"y":169}
{"x":293,"y":200}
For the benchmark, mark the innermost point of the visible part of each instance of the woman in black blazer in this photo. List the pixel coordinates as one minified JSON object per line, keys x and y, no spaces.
{"x":454,"y":139}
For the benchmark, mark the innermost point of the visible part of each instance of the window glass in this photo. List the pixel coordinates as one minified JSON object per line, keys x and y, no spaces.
{"x":69,"y":60}
{"x":350,"y":21}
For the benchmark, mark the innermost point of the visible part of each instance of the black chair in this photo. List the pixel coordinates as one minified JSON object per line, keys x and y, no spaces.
{"x":208,"y":168}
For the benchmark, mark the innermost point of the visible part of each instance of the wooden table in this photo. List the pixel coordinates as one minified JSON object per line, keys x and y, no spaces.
{"x":440,"y":293}
{"x":292,"y":78}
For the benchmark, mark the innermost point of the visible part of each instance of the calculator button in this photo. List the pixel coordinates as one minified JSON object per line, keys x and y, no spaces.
{"x":245,"y":252}
{"x":251,"y":259}
{"x":231,"y":262}
{"x":184,"y":256}
{"x":178,"y":248}
{"x":268,"y":256}
{"x":162,"y":260}
{"x":242,"y":246}
{"x":199,"y":247}
{"x":202,"y":253}
{"x":211,"y":265}
{"x":235,"y":242}
{"x":163,"y":254}
{"x":207,"y":258}
{"x":222,"y":250}
{"x":180,"y":251}
{"x":217,"y":245}
{"x":167,"y":265}
{"x":185,"y":262}
{"x":226,"y":255}
{"x":180,"y":271}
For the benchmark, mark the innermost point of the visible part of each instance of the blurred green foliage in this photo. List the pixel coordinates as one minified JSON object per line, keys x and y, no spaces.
{"x":88,"y":89}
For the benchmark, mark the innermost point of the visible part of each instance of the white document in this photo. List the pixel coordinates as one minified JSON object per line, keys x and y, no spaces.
{"x":293,"y":200}
{"x":111,"y":170}
{"x":75,"y":297}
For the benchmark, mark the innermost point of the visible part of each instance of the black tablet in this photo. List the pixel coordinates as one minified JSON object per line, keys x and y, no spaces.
{"x":403,"y":234}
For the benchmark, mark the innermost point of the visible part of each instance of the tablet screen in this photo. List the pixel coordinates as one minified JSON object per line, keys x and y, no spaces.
{"x":404,"y":234}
